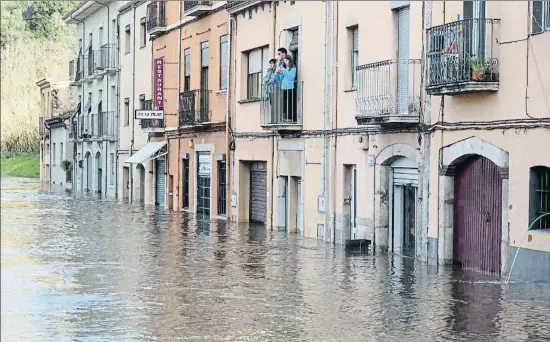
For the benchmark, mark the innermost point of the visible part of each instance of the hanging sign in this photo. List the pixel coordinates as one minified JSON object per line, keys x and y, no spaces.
{"x":159,"y":82}
{"x":205,"y":164}
{"x":144,"y":114}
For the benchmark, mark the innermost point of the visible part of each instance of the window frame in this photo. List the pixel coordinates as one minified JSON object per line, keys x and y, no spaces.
{"x":544,"y":17}
{"x":257,"y":76}
{"x":539,"y":195}
{"x":354,"y":58}
{"x":127,"y":39}
{"x":224,"y":39}
{"x":143,"y":32}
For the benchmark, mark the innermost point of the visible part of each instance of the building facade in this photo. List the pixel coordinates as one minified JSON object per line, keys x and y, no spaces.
{"x":57,"y":107}
{"x":94,"y":74}
{"x":135,"y":55}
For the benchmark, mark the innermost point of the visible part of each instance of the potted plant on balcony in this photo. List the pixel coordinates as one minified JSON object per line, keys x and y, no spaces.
{"x":478,"y":69}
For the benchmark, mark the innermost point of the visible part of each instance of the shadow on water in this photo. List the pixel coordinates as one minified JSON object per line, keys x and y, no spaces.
{"x":95,"y":269}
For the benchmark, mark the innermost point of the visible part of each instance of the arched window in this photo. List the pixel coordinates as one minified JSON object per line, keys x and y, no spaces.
{"x":539,"y":196}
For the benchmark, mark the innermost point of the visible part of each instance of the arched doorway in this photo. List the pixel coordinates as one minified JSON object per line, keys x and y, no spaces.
{"x":473,"y":206}
{"x":99,"y":173}
{"x":477,"y":215}
{"x":88,"y":172}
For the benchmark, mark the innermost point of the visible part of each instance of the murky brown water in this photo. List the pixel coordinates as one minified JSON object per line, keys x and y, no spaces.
{"x":98,"y":270}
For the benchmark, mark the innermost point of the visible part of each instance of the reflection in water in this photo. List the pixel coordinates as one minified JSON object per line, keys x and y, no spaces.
{"x":94,"y":269}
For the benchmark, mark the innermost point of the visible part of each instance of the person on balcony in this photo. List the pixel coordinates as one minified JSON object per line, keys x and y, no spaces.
{"x":287,"y":77}
{"x":281,"y":54}
{"x":268,"y":87}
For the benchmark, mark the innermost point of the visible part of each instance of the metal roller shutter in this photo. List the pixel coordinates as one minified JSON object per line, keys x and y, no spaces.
{"x":160,"y":181}
{"x":403,"y":23}
{"x":205,"y":54}
{"x":255,"y":61}
{"x":187,"y":61}
{"x":405,"y":176}
{"x":258,"y":192}
{"x":224,"y":50}
{"x":89,"y":172}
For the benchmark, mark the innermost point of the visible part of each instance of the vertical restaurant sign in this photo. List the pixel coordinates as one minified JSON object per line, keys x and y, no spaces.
{"x":159,"y":82}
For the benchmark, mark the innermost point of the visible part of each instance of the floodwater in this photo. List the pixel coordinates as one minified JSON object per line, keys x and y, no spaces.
{"x":98,"y":270}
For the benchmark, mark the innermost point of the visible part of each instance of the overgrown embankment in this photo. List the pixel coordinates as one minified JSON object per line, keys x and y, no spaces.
{"x":22,"y":165}
{"x":34,"y":43}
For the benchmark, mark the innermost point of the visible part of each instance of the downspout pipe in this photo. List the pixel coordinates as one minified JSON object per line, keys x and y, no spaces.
{"x":131,"y":173}
{"x":75,"y":166}
{"x":274,"y":140}
{"x":178,"y":176}
{"x":228,"y":170}
{"x":117,"y":113}
{"x":106,"y":154}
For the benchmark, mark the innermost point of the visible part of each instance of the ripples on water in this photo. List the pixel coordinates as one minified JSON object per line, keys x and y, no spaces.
{"x":98,"y":270}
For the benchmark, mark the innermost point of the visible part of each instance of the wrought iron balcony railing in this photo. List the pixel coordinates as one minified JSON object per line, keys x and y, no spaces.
{"x":152,"y":123}
{"x":281,"y":107}
{"x":156,"y":16}
{"x":84,"y":126}
{"x":194,"y":107}
{"x":388,"y":91}
{"x":463,"y":56}
{"x":196,"y":8}
{"x":76,"y":69}
{"x":105,"y":59}
{"x":103,"y":124}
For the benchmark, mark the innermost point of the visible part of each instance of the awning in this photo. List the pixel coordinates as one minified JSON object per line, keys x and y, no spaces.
{"x":150,"y":151}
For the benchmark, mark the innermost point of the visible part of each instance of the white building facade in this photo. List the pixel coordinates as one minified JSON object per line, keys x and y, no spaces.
{"x":134,"y":182}
{"x":94,"y":74}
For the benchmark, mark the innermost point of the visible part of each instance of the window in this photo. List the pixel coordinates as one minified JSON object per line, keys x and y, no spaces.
{"x":143,"y":32}
{"x":185,"y":199}
{"x":127,"y":111}
{"x":142,"y":101}
{"x":354,"y":31}
{"x":224,"y":62}
{"x":53,"y":154}
{"x":112,"y":169}
{"x":127,"y":39}
{"x":257,"y":63}
{"x":539,"y":196}
{"x":221,"y":188}
{"x":100,"y":37}
{"x":61,"y":153}
{"x":540,"y":17}
{"x":114,"y":29}
{"x":187,"y":67}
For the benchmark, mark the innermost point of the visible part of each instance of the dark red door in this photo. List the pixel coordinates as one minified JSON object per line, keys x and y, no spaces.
{"x":477,"y":219}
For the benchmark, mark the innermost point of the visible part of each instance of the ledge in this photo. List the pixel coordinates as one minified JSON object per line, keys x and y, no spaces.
{"x":248,"y":101}
{"x":388,"y":119}
{"x":462,"y":88}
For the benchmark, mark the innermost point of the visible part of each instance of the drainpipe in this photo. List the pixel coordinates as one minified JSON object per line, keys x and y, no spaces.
{"x":106,"y":102}
{"x":131,"y":172}
{"x":75,"y":166}
{"x":178,"y":177}
{"x":228,"y":171}
{"x":335,"y":124}
{"x":117,"y":116}
{"x":328,"y":119}
{"x":50,"y":163}
{"x":273,"y":139}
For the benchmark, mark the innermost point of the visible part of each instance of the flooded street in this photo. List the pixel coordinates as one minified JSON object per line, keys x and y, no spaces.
{"x":93,"y":269}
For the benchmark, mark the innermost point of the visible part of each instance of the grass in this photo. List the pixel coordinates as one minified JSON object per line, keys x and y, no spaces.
{"x":22,"y":165}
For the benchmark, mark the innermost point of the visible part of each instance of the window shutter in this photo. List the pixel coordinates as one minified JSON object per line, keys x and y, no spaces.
{"x":224,"y":48}
{"x":187,"y":61}
{"x":255,"y":61}
{"x":265,"y":58}
{"x":536,"y":18}
{"x":356,"y":39}
{"x":468,"y":7}
{"x":204,"y":54}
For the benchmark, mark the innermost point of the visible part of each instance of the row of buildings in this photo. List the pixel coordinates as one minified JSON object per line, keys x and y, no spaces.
{"x":414,"y":125}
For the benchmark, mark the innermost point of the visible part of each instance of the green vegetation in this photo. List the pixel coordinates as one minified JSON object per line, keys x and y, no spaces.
{"x":35,"y":43}
{"x":23,"y":165}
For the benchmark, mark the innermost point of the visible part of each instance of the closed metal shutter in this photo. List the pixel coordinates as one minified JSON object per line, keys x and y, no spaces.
{"x":89,"y":172}
{"x":255,"y":61}
{"x":405,"y":176}
{"x":403,"y":22}
{"x":299,"y":210}
{"x":205,"y":54}
{"x":187,"y":61}
{"x":160,"y":181}
{"x":258,"y":191}
{"x":224,"y":50}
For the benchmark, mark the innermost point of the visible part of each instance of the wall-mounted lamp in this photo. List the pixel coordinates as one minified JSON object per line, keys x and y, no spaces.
{"x":191,"y":143}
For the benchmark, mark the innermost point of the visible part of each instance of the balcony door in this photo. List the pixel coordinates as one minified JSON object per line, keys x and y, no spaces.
{"x":203,"y":92}
{"x":474,"y":29}
{"x":403,"y":36}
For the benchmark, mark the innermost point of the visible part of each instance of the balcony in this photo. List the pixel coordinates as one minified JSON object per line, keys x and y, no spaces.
{"x":76,"y":71}
{"x":105,"y":60}
{"x":463,"y":57}
{"x":89,"y":67}
{"x":196,"y":8}
{"x":152,"y":125}
{"x":194,"y":107}
{"x":84,"y":127}
{"x":103,"y":125}
{"x":281,"y":110}
{"x":156,"y":18}
{"x":388,"y":92}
